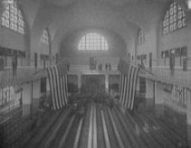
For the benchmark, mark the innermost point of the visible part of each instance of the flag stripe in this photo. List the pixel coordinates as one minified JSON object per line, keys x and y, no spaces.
{"x":51,"y":86}
{"x":135,"y":84}
{"x":121,"y":85}
{"x":66,"y":89}
{"x":123,"y":88}
{"x":128,"y":85}
{"x":61,"y":86}
{"x":58,"y":86}
{"x":62,"y":92}
{"x":55,"y":88}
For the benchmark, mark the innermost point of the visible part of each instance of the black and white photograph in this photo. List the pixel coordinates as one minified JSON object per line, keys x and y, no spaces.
{"x":95,"y":73}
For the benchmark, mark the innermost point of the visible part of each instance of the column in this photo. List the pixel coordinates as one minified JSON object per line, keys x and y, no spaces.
{"x":36,"y":95}
{"x":27,"y":98}
{"x":79,"y":82}
{"x":107,"y":83}
{"x":47,"y":85}
{"x":149,"y":94}
{"x":159,"y":93}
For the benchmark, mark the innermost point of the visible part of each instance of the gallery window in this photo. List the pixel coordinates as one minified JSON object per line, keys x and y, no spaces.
{"x":12,"y":17}
{"x":174,"y":19}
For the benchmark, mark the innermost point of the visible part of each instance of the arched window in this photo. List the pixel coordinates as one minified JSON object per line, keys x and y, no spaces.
{"x":141,"y":37}
{"x":93,"y":42}
{"x":45,"y":37}
{"x":12,"y":17}
{"x":174,"y":19}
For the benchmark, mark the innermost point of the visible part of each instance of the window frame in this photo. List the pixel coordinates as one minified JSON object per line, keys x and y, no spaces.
{"x":12,"y":18}
{"x":174,"y":18}
{"x":92,"y":42}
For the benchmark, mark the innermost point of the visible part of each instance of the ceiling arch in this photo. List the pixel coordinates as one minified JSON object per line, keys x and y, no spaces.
{"x":92,"y":16}
{"x":70,"y":41}
{"x":62,"y":16}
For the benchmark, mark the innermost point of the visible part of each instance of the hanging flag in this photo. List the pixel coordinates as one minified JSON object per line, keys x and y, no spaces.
{"x":128,"y":85}
{"x":57,"y":76}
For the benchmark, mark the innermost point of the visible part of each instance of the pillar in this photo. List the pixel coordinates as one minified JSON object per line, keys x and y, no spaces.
{"x":47,"y":85}
{"x":107,"y":83}
{"x":36,"y":95}
{"x":149,"y":93}
{"x":159,"y":94}
{"x":27,"y":98}
{"x":79,"y":82}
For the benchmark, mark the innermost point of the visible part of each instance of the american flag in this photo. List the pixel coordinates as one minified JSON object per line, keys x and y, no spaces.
{"x":57,"y":76}
{"x":129,"y":76}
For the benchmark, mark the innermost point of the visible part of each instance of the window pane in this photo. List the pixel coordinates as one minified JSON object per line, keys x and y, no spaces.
{"x":93,"y":42}
{"x":174,"y":18}
{"x":12,"y":18}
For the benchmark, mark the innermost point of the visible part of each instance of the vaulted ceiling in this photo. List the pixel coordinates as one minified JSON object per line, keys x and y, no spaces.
{"x":124,"y":17}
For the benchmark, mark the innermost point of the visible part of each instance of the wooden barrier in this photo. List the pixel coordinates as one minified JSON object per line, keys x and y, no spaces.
{"x":44,"y":130}
{"x":50,"y":136}
{"x":90,"y":135}
{"x":77,"y":139}
{"x":132,"y":135}
{"x":119,"y":140}
{"x":63,"y":139}
{"x":106,"y":136}
{"x":95,"y":124}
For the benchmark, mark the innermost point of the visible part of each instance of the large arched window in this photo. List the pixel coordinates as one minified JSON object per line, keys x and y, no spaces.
{"x":12,"y":17}
{"x":93,"y":42}
{"x":174,"y":19}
